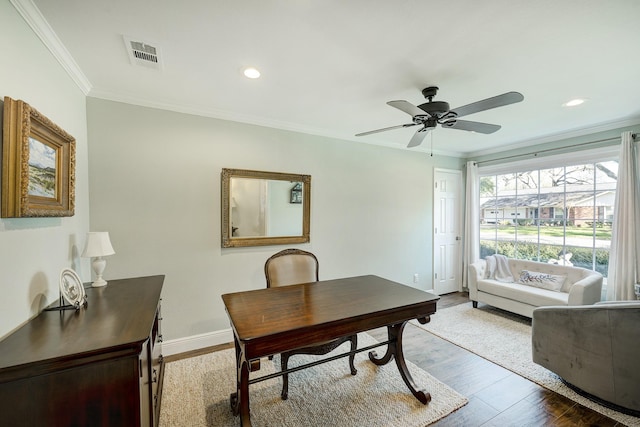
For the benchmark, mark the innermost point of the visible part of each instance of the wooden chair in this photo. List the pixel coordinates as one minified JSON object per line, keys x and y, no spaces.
{"x":295,"y":266}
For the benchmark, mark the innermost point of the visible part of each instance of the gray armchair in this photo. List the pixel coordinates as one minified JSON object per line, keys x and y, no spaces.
{"x":595,"y":348}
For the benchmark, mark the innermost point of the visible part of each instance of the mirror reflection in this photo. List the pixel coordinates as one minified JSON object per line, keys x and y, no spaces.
{"x":264,"y":208}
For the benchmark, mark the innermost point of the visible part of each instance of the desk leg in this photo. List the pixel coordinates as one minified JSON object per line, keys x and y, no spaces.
{"x":394,"y":350}
{"x":240,"y":399}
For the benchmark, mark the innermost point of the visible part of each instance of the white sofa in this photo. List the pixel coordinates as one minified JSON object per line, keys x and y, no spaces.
{"x":580,"y":287}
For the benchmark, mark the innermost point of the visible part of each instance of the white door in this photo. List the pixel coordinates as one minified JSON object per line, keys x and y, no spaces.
{"x":447,"y":231}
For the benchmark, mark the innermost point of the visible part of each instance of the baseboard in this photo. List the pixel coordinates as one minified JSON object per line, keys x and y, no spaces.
{"x":196,"y":342}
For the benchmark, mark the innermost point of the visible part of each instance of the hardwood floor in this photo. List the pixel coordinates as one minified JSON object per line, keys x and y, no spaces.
{"x":497,"y":396}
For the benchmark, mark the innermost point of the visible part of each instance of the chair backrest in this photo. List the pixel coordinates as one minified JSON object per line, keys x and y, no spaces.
{"x":290,"y":267}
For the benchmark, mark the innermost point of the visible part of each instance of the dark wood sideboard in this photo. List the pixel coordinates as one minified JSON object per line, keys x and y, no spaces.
{"x":98,"y":366}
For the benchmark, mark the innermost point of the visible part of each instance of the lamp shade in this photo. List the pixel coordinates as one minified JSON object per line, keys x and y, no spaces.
{"x":97,"y":244}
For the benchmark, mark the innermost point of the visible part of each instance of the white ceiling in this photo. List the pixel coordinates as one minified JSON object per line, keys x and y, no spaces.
{"x":329,"y":66}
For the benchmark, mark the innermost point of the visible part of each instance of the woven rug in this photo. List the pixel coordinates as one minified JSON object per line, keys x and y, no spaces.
{"x":505,"y":339}
{"x":196,"y":393}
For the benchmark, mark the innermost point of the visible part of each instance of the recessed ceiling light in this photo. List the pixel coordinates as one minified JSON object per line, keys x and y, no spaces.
{"x":574,"y":102}
{"x":251,"y":73}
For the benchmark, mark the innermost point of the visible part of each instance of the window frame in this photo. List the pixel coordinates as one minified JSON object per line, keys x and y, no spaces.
{"x":597,"y":155}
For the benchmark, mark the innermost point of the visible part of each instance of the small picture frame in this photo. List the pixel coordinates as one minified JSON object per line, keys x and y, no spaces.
{"x":38,"y":164}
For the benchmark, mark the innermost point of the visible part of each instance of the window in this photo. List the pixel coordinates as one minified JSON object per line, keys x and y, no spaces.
{"x":557,"y":214}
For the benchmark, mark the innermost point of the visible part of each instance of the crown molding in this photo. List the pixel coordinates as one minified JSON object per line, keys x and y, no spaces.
{"x":31,"y":14}
{"x":575,"y":133}
{"x":250,"y":120}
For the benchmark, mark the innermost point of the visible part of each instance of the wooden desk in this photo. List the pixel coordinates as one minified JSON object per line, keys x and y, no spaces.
{"x":98,"y":366}
{"x":273,"y":320}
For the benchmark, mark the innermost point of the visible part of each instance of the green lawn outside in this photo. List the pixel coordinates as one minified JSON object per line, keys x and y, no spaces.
{"x":553,"y":231}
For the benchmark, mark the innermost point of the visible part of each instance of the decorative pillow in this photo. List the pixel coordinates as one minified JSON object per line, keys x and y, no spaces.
{"x":551,"y":282}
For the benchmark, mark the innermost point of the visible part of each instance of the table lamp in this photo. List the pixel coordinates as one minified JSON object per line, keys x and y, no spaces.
{"x":97,"y":246}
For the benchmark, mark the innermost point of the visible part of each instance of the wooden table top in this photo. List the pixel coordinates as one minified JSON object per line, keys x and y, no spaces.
{"x":271,"y":320}
{"x":117,"y":316}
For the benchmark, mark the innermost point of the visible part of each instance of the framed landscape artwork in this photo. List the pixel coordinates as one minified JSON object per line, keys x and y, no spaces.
{"x":38,"y":164}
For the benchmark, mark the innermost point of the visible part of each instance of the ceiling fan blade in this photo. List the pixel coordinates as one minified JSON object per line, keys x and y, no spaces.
{"x":471,"y":126}
{"x":418,"y":137}
{"x":489,"y":103}
{"x":408,"y":108}
{"x":385,"y":129}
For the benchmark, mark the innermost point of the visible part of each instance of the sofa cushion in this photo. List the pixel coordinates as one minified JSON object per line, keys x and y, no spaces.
{"x":552,"y":282}
{"x":574,"y":274}
{"x":526,"y":294}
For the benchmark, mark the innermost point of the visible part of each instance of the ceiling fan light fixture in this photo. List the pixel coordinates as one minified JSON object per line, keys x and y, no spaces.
{"x":251,"y":72}
{"x":574,"y":102}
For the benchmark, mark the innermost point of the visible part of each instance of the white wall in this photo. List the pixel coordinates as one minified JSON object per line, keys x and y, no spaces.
{"x":34,"y":251}
{"x":155,"y":186}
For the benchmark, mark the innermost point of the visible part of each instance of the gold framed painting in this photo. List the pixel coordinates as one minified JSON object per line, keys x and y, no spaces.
{"x":38,"y":164}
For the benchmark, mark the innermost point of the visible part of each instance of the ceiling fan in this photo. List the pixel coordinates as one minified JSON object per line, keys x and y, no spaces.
{"x":433,"y":113}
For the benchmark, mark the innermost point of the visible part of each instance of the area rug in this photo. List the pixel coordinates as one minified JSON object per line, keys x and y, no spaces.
{"x":196,"y":393}
{"x":505,"y":339}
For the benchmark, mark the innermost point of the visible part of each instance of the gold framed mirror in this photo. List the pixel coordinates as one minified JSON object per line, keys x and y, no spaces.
{"x":264,"y":208}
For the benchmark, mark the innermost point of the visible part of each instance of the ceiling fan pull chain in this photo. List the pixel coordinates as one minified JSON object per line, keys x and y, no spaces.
{"x":431,"y":144}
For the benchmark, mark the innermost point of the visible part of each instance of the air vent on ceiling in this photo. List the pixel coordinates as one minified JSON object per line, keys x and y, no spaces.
{"x":143,"y":53}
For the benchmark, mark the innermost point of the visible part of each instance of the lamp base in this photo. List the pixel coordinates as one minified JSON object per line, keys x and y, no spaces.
{"x":99,"y":282}
{"x":98,"y":264}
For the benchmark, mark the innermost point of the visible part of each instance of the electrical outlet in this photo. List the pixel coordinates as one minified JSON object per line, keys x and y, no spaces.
{"x":416,"y":278}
